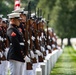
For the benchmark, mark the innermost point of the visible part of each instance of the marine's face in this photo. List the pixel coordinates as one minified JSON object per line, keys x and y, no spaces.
{"x":15,"y":21}
{"x":31,"y":21}
{"x":0,"y":22}
{"x":4,"y":24}
{"x":23,"y":18}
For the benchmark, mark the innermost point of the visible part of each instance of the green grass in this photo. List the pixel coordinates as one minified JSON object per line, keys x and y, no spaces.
{"x":8,"y":72}
{"x":66,"y":64}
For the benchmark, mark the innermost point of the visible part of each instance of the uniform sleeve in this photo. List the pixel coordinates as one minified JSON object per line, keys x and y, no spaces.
{"x":12,"y":35}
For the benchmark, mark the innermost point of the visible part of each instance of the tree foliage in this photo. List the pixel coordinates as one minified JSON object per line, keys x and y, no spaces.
{"x":7,"y":6}
{"x":62,"y":13}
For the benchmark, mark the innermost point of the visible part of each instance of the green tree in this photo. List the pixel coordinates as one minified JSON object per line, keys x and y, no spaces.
{"x":62,"y":13}
{"x":7,"y":6}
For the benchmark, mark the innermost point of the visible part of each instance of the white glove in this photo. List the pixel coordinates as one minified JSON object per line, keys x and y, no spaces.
{"x":33,"y":38}
{"x":53,"y":39}
{"x":42,"y":49}
{"x":1,"y":55}
{"x":40,"y":39}
{"x":42,"y":54}
{"x":32,"y":54}
{"x":37,"y":37}
{"x":28,"y":42}
{"x":48,"y":37}
{"x":53,"y":45}
{"x":38,"y":52}
{"x":0,"y":38}
{"x":48,"y":47}
{"x":27,"y":59}
{"x":42,"y":35}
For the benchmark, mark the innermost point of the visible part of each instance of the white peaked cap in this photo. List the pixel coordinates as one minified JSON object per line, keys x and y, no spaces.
{"x":43,"y":19}
{"x":4,"y":19}
{"x":33,"y":14}
{"x":18,"y":10}
{"x":50,"y":29}
{"x":14,"y":15}
{"x":25,"y":12}
{"x":45,"y":29}
{"x":1,"y":15}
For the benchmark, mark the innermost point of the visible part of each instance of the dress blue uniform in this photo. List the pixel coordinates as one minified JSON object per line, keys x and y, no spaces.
{"x":16,"y":51}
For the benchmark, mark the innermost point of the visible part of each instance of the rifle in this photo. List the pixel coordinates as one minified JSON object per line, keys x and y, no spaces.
{"x":54,"y":40}
{"x":3,"y":46}
{"x":30,"y":30}
{"x":37,"y":34}
{"x":28,"y":37}
{"x":0,"y":51}
{"x":29,"y":64}
{"x":47,"y":41}
{"x":25,"y":32}
{"x":41,"y":25}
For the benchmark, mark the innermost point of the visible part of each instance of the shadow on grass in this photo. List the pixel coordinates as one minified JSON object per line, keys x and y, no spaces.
{"x":66,"y":64}
{"x":62,"y":74}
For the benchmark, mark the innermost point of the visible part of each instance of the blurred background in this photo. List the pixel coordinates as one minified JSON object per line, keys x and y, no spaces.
{"x":62,"y":16}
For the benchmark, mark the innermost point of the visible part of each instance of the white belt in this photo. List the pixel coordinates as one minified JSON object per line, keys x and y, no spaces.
{"x":19,"y":43}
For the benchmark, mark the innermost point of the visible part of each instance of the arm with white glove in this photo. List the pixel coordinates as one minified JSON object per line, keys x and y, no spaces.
{"x":40,"y":56}
{"x":38,"y":53}
{"x":42,"y":49}
{"x":27,"y":59}
{"x":49,"y":47}
{"x":32,"y":54}
{"x":1,"y":55}
{"x":28,"y":63}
